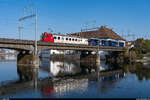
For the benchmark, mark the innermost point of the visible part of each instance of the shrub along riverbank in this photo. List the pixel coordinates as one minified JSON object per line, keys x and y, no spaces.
{"x":141,"y":49}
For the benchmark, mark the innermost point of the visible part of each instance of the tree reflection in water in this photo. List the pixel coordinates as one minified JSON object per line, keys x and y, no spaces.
{"x":142,"y":71}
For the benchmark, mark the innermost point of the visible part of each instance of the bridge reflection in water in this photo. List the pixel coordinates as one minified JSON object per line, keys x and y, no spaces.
{"x":64,"y":77}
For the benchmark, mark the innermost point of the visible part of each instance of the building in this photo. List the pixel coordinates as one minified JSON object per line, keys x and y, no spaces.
{"x":130,"y":44}
{"x":102,"y":33}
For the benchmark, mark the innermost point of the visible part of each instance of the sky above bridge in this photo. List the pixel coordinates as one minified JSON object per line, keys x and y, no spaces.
{"x":66,"y":16}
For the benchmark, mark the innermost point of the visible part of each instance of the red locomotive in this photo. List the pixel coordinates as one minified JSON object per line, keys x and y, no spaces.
{"x":57,"y":38}
{"x":47,"y":37}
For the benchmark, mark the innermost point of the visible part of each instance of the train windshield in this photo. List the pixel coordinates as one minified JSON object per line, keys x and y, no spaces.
{"x":43,"y":36}
{"x":121,"y":44}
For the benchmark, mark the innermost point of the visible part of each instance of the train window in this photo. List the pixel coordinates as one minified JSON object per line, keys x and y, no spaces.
{"x":72,"y":39}
{"x":54,"y":37}
{"x":75,"y":39}
{"x":69,"y":39}
{"x":58,"y":38}
{"x":66,"y":38}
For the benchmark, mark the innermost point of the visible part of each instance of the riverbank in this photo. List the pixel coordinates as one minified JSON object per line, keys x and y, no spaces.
{"x":145,"y":60}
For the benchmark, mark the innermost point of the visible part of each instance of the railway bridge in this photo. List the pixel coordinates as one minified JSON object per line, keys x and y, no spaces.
{"x":29,"y":45}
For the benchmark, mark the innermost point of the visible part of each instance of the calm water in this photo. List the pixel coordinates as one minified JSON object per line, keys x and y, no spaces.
{"x":62,"y":79}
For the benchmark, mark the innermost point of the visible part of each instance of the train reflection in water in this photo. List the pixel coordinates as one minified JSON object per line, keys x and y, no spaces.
{"x":59,"y":68}
{"x":59,"y":88}
{"x":80,"y":83}
{"x":112,"y":77}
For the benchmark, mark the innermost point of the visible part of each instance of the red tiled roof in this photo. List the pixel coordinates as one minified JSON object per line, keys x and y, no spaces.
{"x":102,"y":32}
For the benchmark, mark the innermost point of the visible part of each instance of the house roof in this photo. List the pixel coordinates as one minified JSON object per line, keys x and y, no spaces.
{"x":102,"y":33}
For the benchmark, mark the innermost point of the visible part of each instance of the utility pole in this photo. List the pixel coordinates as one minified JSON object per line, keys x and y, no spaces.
{"x":31,"y":8}
{"x":94,"y":24}
{"x":31,"y":11}
{"x":19,"y":29}
{"x":50,"y":30}
{"x":35,"y":52}
{"x":26,"y":17}
{"x":80,"y":33}
{"x":86,"y":25}
{"x":24,"y":11}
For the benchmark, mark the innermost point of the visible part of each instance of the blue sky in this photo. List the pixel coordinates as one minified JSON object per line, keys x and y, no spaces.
{"x":66,"y":16}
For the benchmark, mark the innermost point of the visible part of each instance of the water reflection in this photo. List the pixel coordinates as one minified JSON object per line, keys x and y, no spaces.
{"x":60,"y":68}
{"x":27,"y":73}
{"x":80,"y":82}
{"x":107,"y":83}
{"x":74,"y":78}
{"x":63,"y":86}
{"x":142,"y":71}
{"x":7,"y":57}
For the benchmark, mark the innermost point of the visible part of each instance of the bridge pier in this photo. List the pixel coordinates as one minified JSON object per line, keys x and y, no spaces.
{"x":92,"y":60}
{"x":98,"y":61}
{"x":27,"y":73}
{"x":24,"y":58}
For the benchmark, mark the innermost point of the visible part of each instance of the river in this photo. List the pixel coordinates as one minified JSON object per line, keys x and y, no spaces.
{"x":73,"y":79}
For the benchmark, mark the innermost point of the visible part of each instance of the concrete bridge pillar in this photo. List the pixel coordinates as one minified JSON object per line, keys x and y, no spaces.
{"x":27,"y":73}
{"x":90,"y":61}
{"x":24,"y":58}
{"x":98,"y":61}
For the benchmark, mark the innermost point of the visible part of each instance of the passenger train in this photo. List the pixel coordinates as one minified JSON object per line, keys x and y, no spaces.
{"x":57,"y":38}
